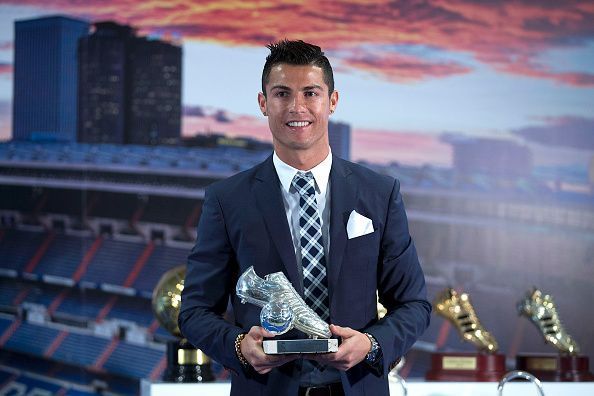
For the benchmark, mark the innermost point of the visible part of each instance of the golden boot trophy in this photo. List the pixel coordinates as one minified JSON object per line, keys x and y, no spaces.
{"x":460,"y":312}
{"x":485,"y":364}
{"x":184,"y":362}
{"x":566,"y":365}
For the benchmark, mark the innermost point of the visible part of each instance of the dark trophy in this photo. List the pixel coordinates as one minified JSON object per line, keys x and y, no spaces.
{"x":566,"y":364}
{"x":184,"y":362}
{"x":485,"y":364}
{"x":282,"y":310}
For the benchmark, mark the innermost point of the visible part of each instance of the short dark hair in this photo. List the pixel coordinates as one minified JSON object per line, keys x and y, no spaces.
{"x":297,"y":52}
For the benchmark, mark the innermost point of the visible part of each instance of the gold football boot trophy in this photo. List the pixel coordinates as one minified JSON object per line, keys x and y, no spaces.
{"x":458,"y":309}
{"x":184,"y":362}
{"x":541,"y":310}
{"x":567,"y":364}
{"x":484,"y":365}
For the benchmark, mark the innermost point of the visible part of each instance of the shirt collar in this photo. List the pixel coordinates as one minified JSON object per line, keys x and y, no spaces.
{"x":321,"y":173}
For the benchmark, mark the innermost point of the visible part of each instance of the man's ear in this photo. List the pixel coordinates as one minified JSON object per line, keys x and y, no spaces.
{"x":262,"y":103}
{"x":333,"y":101}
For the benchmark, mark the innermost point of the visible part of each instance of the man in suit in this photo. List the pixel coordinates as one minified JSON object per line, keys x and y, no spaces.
{"x":337,"y":230}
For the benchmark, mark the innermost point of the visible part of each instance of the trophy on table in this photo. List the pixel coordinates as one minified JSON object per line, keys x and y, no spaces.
{"x":485,"y":364}
{"x":184,"y":362}
{"x":567,"y":364}
{"x":282,"y":310}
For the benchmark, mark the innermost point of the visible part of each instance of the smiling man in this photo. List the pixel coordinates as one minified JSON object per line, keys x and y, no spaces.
{"x":337,"y":230}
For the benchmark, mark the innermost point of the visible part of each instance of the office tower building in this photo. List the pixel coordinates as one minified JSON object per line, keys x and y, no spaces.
{"x":155,"y":92}
{"x":130,"y":88}
{"x":339,"y":135}
{"x":101,"y":90}
{"x":45,"y":78}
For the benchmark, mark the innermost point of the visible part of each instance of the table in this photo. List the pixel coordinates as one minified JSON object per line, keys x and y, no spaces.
{"x":415,"y":388}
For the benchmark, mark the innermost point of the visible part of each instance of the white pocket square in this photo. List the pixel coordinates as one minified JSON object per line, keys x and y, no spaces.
{"x":358,"y":225}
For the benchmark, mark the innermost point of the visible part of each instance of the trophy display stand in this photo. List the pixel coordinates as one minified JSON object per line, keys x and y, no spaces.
{"x":555,"y":367}
{"x":186,"y":363}
{"x":466,"y":367}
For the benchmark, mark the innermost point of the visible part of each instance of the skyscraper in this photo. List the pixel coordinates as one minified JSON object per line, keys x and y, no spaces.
{"x":45,"y":77}
{"x":155,"y":92}
{"x":130,"y":87}
{"x":102,"y":83}
{"x":339,"y":135}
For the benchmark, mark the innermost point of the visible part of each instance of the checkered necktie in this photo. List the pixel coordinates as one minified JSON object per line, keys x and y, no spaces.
{"x":315,"y":281}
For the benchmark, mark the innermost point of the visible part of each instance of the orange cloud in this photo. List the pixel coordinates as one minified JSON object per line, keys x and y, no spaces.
{"x":531,"y":69}
{"x":402,"y":68}
{"x":509,"y":36}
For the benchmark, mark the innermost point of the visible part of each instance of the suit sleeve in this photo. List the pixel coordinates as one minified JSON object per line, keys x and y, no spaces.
{"x":209,"y":280}
{"x":401,"y":287}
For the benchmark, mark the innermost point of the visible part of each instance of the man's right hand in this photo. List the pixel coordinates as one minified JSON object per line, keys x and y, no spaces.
{"x":251,"y":349}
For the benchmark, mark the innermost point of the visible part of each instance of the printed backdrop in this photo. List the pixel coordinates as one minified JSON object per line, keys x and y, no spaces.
{"x":482,"y":109}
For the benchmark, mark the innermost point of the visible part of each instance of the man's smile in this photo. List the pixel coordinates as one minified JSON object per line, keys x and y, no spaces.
{"x":294,"y":124}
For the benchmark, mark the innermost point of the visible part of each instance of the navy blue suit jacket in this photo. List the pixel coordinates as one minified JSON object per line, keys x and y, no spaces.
{"x":243,"y":224}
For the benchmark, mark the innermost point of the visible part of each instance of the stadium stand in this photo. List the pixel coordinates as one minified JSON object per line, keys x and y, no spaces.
{"x":145,"y":360}
{"x":17,"y":248}
{"x":73,"y":380}
{"x":113,"y":261}
{"x":9,"y":292}
{"x":85,"y":304}
{"x":133,"y":309}
{"x":81,"y":252}
{"x":62,"y":255}
{"x":162,"y":259}
{"x":26,"y":337}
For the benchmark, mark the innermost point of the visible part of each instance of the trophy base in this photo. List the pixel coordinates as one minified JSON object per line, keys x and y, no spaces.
{"x":189,"y":373}
{"x":186,"y":363}
{"x":279,"y":347}
{"x":555,"y":367}
{"x":466,"y":367}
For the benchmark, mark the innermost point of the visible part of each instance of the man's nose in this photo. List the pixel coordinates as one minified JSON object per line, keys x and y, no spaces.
{"x":297,"y":104}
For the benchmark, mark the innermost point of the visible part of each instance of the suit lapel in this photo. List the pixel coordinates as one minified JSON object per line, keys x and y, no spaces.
{"x":270,"y":202}
{"x":343,"y":197}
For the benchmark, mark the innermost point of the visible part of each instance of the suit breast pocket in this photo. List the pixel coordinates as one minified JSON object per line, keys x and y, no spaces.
{"x":365,"y":246}
{"x":361,"y":255}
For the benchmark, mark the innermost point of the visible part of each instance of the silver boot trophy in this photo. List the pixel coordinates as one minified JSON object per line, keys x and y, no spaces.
{"x":282,"y":310}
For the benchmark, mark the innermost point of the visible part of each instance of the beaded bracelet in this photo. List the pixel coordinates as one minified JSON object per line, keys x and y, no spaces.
{"x":240,"y":356}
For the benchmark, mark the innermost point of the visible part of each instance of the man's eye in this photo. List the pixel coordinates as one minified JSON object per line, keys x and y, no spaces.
{"x":310,"y":93}
{"x":282,"y":94}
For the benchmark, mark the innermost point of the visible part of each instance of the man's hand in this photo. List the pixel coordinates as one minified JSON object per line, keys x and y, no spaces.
{"x":352,"y":350}
{"x":251,"y":349}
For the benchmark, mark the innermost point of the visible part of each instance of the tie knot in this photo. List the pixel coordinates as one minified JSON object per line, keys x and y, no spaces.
{"x":304,"y":183}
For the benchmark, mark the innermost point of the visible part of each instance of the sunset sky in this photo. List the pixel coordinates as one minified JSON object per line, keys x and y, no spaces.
{"x":406,"y":71}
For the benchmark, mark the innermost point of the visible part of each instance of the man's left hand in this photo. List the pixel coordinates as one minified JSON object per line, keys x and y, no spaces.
{"x":352,"y":350}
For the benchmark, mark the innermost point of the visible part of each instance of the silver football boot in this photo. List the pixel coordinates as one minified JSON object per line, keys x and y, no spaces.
{"x":542,"y":311}
{"x":282,"y":307}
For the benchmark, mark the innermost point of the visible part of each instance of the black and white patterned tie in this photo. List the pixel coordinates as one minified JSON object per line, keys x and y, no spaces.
{"x":315,"y":281}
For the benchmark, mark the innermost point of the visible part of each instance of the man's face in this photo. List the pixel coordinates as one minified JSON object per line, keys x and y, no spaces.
{"x":298,"y":106}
